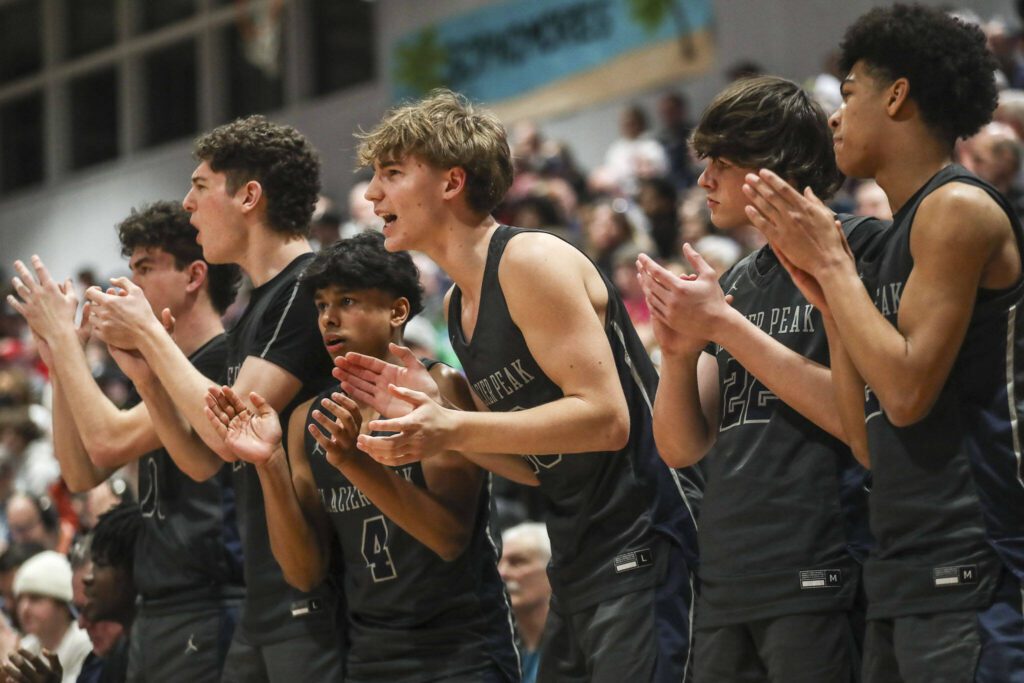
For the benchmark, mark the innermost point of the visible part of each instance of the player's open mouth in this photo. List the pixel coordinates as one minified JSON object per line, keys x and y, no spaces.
{"x":389,"y":218}
{"x":334,"y":342}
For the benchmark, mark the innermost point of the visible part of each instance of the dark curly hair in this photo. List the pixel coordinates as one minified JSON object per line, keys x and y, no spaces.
{"x":769,"y":122}
{"x":165,"y":225}
{"x":362,"y":262}
{"x":949,"y":68}
{"x":113,"y":539}
{"x":278,"y":157}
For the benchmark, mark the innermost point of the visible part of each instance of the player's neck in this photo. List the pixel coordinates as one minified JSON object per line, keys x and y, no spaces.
{"x":463,"y":254}
{"x":912,"y":159}
{"x":268,"y":252}
{"x":196,"y":326}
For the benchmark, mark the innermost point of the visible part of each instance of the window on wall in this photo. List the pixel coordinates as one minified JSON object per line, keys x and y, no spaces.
{"x":93,"y":105}
{"x":343,"y":52}
{"x":21,"y":39}
{"x":171,"y":106}
{"x":89,"y":25}
{"x":21,"y":142}
{"x":255,"y":70}
{"x":155,"y":14}
{"x":127,"y":75}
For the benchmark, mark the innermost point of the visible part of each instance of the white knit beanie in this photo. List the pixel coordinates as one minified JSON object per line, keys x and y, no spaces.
{"x":48,"y":573}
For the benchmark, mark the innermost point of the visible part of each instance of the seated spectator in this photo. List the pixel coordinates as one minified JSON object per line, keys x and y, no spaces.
{"x":674,"y":135}
{"x":871,"y":201}
{"x":32,"y":519}
{"x":633,"y":156}
{"x":10,"y":562}
{"x":605,"y":229}
{"x":24,"y":449}
{"x":994,"y":155}
{"x":42,"y":589}
{"x":523,"y":568}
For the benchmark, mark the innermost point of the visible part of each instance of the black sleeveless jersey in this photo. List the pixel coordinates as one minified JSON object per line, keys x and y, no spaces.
{"x":947,"y":503}
{"x":613,"y":517}
{"x":784,"y":521}
{"x":188,"y":547}
{"x":279,"y":326}
{"x":413,"y":617}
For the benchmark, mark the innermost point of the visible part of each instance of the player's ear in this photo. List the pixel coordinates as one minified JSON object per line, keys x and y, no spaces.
{"x":898,"y":96}
{"x":399,"y":311}
{"x":455,"y":181}
{"x":197,"y":273}
{"x":250,"y":195}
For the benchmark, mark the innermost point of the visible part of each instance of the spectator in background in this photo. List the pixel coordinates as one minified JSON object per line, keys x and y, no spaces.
{"x":10,"y":562}
{"x":633,"y":156}
{"x":42,"y":589}
{"x":31,"y":519}
{"x":360,"y":212}
{"x":657,"y":201}
{"x":523,"y":567}
{"x":325,"y":226}
{"x":720,"y":252}
{"x":674,"y":135}
{"x":871,"y":201}
{"x":605,"y":230}
{"x":25,"y":450}
{"x":994,"y":155}
{"x":1010,"y":111}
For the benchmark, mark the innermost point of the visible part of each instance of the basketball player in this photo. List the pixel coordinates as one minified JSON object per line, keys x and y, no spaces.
{"x":422,"y":590}
{"x":937,"y":347}
{"x":550,"y":352}
{"x":780,"y":609}
{"x":189,"y":567}
{"x":251,"y":200}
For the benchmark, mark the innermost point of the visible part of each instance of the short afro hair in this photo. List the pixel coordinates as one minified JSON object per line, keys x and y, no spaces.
{"x":950,"y":70}
{"x":165,"y":225}
{"x":769,"y":122}
{"x":278,"y":157}
{"x":362,"y":262}
{"x":113,"y":539}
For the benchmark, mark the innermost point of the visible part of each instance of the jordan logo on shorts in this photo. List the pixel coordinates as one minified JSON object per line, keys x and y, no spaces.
{"x":191,"y":646}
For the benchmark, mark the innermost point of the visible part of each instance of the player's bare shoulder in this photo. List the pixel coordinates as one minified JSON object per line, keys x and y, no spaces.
{"x":538,"y":263}
{"x":967,"y":220}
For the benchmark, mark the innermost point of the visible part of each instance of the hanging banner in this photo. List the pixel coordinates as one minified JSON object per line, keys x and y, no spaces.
{"x":534,"y":58}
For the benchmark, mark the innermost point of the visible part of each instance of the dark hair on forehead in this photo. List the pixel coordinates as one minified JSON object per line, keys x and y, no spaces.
{"x":165,"y":225}
{"x":278,"y":157}
{"x":946,"y":62}
{"x":770,"y":122}
{"x":362,"y":262}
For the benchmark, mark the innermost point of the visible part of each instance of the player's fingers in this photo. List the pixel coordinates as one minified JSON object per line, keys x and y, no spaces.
{"x":41,"y":272}
{"x":357,"y":393}
{"x":342,"y":415}
{"x":697,"y":261}
{"x":16,"y":304}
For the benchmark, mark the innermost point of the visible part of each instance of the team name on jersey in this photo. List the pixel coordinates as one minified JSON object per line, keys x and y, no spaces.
{"x":503,"y":383}
{"x":348,"y":498}
{"x":887,"y":298}
{"x":784,"y":319}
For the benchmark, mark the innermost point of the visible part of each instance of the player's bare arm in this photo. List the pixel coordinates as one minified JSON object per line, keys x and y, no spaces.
{"x":296,"y":522}
{"x":93,"y":436}
{"x":907,"y":366}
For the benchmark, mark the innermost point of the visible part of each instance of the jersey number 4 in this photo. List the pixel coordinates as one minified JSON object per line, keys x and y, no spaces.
{"x":744,"y":399}
{"x":375,"y":549}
